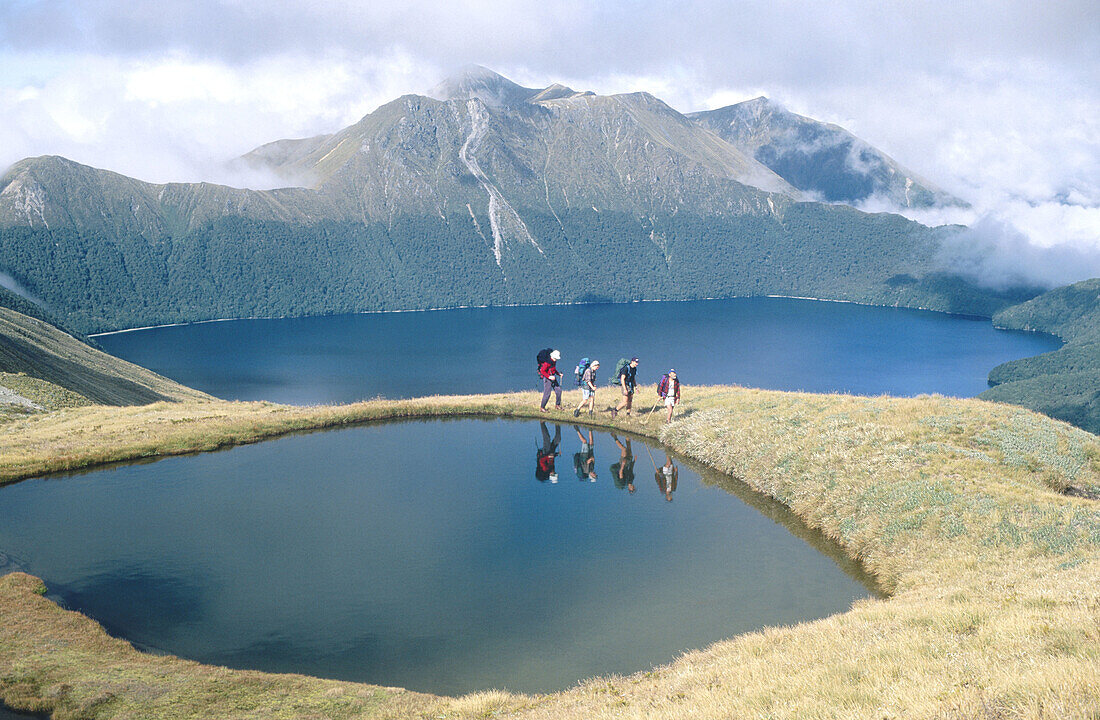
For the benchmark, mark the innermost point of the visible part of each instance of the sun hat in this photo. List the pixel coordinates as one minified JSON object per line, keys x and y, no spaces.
{"x":555,"y":355}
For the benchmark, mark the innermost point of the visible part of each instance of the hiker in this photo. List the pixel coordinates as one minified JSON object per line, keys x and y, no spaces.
{"x":627,"y":379}
{"x":666,"y":477}
{"x":551,"y":378}
{"x":588,"y":388}
{"x":545,"y":456}
{"x":622,"y":472}
{"x":584,"y":462}
{"x":669,"y":391}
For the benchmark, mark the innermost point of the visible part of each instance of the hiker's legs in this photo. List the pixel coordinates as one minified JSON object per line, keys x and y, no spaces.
{"x":547,"y":388}
{"x":670,"y":406}
{"x":586,"y":397}
{"x":557,"y":392}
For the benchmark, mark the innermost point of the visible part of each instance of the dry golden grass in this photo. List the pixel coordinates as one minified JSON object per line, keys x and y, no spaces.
{"x":956,"y":506}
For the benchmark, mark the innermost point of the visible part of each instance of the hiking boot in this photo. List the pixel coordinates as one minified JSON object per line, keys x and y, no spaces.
{"x":576,"y":413}
{"x":614,"y":412}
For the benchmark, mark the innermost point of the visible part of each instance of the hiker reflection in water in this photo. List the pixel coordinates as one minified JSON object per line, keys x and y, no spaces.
{"x":622,"y":472}
{"x":666,"y":477}
{"x":584,"y":462}
{"x":545,"y":456}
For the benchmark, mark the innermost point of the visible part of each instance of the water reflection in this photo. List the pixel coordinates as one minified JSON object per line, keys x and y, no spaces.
{"x":584,"y":462}
{"x":547,"y":454}
{"x":667,"y":475}
{"x":622,"y":472}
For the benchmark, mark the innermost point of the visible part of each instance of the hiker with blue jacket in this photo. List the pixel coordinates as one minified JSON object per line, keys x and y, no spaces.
{"x":588,"y":388}
{"x":627,"y":380}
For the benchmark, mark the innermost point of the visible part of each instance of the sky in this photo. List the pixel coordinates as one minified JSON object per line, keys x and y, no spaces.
{"x":997,"y":102}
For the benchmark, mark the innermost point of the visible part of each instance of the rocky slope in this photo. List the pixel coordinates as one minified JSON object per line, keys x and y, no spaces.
{"x":821,"y":159}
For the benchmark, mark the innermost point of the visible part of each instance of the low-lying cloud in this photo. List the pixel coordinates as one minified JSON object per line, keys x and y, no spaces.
{"x":9,"y":283}
{"x":995,"y":254}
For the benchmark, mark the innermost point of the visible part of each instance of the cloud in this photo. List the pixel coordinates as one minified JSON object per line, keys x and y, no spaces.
{"x":997,"y":255}
{"x":9,"y":283}
{"x":181,"y":119}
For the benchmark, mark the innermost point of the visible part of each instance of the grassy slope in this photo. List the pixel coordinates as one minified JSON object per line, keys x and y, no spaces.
{"x":954,"y":505}
{"x":1065,"y":383}
{"x":38,"y":359}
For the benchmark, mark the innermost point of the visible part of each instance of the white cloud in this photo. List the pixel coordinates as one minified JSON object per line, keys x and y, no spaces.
{"x":180,"y":119}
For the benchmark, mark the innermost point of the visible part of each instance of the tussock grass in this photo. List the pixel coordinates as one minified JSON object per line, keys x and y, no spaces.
{"x":957,"y":507}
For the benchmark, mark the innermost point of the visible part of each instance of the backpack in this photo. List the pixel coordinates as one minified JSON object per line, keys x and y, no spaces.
{"x":580,"y":369}
{"x":619,"y":367}
{"x":662,"y":386}
{"x":544,"y":356}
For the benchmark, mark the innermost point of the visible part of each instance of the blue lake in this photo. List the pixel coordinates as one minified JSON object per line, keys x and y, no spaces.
{"x":439,"y":556}
{"x":775,"y":343}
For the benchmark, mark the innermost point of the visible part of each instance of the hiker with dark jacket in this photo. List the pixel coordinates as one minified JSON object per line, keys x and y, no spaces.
{"x":546,"y":455}
{"x":551,"y":380}
{"x":627,"y":380}
{"x":669,"y":390}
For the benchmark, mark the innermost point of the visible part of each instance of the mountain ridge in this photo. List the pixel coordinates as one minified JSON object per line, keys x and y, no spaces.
{"x":437,"y":203}
{"x":820,"y":158}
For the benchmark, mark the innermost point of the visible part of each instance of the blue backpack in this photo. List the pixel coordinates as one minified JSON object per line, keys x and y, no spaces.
{"x":579,"y":371}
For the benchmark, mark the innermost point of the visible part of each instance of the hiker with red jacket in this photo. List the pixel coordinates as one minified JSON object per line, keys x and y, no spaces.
{"x":551,"y":378}
{"x":669,"y":390}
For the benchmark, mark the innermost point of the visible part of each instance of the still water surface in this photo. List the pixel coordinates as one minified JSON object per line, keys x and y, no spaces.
{"x":439,"y":556}
{"x":774,"y":343}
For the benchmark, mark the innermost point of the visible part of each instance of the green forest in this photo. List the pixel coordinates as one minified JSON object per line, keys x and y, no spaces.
{"x":1065,"y":383}
{"x":96,"y":281}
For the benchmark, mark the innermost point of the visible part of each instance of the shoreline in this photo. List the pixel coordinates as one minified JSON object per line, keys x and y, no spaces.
{"x":528,"y":305}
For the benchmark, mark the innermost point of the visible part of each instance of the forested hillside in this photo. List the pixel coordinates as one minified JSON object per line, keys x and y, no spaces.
{"x":237,"y":267}
{"x":1065,"y":383}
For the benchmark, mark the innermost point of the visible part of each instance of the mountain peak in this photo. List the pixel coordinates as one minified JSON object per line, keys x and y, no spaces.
{"x":476,"y":81}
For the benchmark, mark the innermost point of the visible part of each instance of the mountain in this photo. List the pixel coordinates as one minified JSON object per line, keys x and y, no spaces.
{"x":42,"y":366}
{"x":819,"y":158}
{"x":491,"y":193}
{"x":1065,"y":383}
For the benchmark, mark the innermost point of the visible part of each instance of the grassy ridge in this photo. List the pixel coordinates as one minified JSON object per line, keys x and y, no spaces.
{"x":37,"y":358}
{"x":1065,"y":383}
{"x":954,"y":505}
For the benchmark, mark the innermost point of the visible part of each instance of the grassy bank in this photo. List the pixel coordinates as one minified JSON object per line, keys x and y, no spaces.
{"x":956,"y":506}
